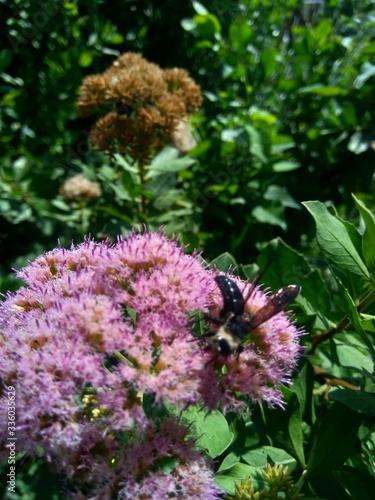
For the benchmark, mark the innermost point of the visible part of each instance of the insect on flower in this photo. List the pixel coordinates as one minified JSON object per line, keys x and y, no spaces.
{"x":234,"y":325}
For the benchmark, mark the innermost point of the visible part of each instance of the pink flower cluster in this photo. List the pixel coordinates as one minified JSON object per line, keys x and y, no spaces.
{"x":101,"y":327}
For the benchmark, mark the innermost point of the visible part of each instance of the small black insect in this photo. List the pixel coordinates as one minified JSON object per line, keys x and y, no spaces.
{"x":123,"y":109}
{"x":234,"y":327}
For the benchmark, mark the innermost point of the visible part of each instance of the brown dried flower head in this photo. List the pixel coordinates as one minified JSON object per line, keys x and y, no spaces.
{"x":80,"y":188}
{"x":140,"y":105}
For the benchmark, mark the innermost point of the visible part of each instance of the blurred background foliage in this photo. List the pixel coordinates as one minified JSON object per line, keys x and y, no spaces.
{"x":287,"y":117}
{"x":289,"y":91}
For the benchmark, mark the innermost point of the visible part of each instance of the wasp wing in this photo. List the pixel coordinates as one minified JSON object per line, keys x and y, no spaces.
{"x":275,"y":304}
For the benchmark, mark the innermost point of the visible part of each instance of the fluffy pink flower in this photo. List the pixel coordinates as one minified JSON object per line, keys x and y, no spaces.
{"x":102,"y":327}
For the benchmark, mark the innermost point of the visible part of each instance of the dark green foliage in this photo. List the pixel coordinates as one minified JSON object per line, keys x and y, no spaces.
{"x":288,"y":117}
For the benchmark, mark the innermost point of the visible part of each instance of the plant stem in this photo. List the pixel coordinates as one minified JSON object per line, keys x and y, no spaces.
{"x":342,"y":325}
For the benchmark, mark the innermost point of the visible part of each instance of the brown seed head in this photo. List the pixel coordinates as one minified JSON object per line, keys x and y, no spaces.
{"x":140,"y":105}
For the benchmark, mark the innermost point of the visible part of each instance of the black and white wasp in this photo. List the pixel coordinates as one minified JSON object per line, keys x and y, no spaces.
{"x":234,"y":326}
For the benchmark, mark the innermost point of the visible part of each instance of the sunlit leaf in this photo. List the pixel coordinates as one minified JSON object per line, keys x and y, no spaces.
{"x":212,"y":430}
{"x":323,"y":90}
{"x":367,"y":71}
{"x":339,"y":244}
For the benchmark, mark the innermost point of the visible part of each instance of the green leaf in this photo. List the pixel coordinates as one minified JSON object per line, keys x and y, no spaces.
{"x":168,"y":161}
{"x":261,"y":456}
{"x":285,"y":166}
{"x":212,"y":430}
{"x":230,"y":459}
{"x":367,"y":71}
{"x":6,"y":57}
{"x":280,"y":194}
{"x":355,"y":482}
{"x":360,"y":401}
{"x":199,"y":8}
{"x":208,"y":26}
{"x":188,"y":24}
{"x":315,"y":291}
{"x":256,"y":146}
{"x":167,"y":199}
{"x":358,"y":144}
{"x":271,"y":215}
{"x":368,"y":239}
{"x":239,"y":472}
{"x":294,"y":414}
{"x":283,"y":264}
{"x":351,"y":356}
{"x":269,"y":62}
{"x":323,"y":90}
{"x":335,"y":441}
{"x":240,"y":33}
{"x":353,"y":315}
{"x":303,"y":388}
{"x":338,"y":241}
{"x":224,"y":262}
{"x":86,"y":58}
{"x":125,"y":165}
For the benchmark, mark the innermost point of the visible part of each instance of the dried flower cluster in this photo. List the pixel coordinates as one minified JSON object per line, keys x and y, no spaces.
{"x":140,"y":106}
{"x":98,"y":331}
{"x":80,"y":188}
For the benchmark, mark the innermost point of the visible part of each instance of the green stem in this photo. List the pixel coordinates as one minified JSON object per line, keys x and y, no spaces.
{"x":122,"y":358}
{"x":342,"y":325}
{"x":142,"y":177}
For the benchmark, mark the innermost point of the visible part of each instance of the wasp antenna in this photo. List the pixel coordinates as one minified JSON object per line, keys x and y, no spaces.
{"x":256,"y":280}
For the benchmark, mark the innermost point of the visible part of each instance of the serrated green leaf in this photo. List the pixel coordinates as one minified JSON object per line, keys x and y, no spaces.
{"x":336,"y":240}
{"x":368,"y":239}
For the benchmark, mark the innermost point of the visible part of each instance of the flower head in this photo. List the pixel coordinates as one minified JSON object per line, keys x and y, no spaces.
{"x":80,"y":188}
{"x":143,"y":105}
{"x":100,"y":328}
